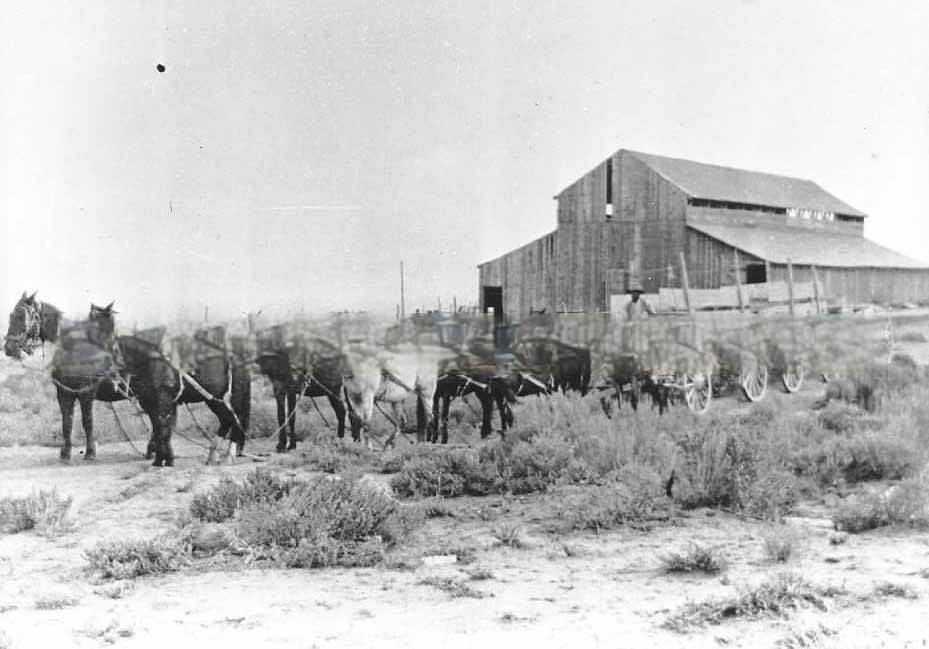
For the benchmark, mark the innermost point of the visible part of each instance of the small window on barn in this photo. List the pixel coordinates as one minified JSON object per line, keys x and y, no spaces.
{"x":609,"y":188}
{"x":755,"y":274}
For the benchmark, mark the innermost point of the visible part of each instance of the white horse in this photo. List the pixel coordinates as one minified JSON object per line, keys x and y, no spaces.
{"x":396,"y":376}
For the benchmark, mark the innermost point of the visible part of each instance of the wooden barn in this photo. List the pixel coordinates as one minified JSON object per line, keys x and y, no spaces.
{"x":635,"y":214}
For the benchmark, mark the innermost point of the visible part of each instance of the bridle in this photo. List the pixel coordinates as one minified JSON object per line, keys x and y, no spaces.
{"x":31,"y":335}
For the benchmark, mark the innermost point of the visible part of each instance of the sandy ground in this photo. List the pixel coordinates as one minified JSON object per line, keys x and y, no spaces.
{"x":609,"y":593}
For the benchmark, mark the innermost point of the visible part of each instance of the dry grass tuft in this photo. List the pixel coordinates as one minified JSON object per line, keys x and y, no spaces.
{"x":43,"y":511}
{"x":781,"y":542}
{"x":454,"y":587}
{"x":696,"y":558}
{"x":777,"y":596}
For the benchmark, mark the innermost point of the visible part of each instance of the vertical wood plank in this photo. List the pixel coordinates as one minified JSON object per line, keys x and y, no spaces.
{"x":816,"y":297}
{"x":685,"y":284}
{"x":790,"y":287}
{"x":738,"y":278}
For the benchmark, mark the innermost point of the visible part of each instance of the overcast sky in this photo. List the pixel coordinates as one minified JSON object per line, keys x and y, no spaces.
{"x":292,"y":153}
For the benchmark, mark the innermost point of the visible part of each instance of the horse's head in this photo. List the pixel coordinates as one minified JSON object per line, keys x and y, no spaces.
{"x":103,"y":323}
{"x":25,"y":329}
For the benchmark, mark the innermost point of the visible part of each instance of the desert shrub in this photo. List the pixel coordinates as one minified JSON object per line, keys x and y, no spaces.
{"x":841,"y":417}
{"x":326,"y":522}
{"x":129,"y":559}
{"x":888,"y":589}
{"x":528,"y":464}
{"x":904,"y":504}
{"x":450,"y":473}
{"x":778,"y":596}
{"x":696,"y":558}
{"x":46,"y":512}
{"x":222,"y":501}
{"x":636,"y":495}
{"x":329,"y":456}
{"x":737,"y":463}
{"x":780,"y":542}
{"x":911,"y":337}
{"x":829,"y":458}
{"x":510,"y":535}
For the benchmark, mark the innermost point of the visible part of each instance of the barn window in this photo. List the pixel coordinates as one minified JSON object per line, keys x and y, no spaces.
{"x":755,"y":274}
{"x":609,"y":188}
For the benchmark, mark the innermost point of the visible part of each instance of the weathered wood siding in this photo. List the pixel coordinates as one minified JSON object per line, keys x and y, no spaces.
{"x":527,"y":276}
{"x":710,"y":264}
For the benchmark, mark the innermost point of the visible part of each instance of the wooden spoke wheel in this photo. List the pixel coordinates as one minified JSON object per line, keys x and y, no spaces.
{"x":698,"y":392}
{"x":755,"y":384}
{"x":793,"y":377}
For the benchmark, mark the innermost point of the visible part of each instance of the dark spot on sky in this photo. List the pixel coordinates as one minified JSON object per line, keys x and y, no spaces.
{"x":160,"y":67}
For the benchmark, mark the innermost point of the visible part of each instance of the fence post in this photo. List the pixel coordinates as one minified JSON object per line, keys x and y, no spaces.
{"x":685,"y":284}
{"x":816,"y":290}
{"x":738,"y":279}
{"x":790,"y":286}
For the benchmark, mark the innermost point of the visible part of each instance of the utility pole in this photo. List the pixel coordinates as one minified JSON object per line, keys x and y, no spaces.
{"x":402,"y":298}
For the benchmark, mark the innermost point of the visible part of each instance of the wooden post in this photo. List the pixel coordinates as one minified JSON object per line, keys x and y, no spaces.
{"x":816,"y":297}
{"x":685,"y":284}
{"x":790,"y":287}
{"x":738,"y":279}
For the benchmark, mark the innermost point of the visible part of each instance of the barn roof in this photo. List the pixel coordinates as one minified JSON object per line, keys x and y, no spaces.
{"x":712,"y":182}
{"x":816,"y":248}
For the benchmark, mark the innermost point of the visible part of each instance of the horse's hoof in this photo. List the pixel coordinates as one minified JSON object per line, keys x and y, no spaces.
{"x":90,"y":457}
{"x":281,"y":449}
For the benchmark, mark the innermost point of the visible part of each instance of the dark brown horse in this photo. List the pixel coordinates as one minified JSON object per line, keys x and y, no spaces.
{"x":205,"y":371}
{"x":459,"y":378}
{"x":539,"y":366}
{"x":310,"y":367}
{"x":85,"y":366}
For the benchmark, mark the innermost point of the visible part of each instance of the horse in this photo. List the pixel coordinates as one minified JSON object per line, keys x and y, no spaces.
{"x":623,"y":375}
{"x":392,"y":376}
{"x":540,"y":366}
{"x":311,"y":367}
{"x":459,"y":378}
{"x":84,"y":367}
{"x":203,"y":371}
{"x":92,"y":363}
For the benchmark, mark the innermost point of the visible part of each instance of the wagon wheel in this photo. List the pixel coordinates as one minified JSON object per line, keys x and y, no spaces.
{"x":793,"y":377}
{"x":698,"y":392}
{"x":755,"y":384}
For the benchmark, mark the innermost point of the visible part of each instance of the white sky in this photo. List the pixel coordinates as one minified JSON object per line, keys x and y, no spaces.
{"x":435,"y":134}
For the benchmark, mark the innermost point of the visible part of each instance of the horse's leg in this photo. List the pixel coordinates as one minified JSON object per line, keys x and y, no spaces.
{"x":292,"y":422}
{"x":443,"y":416}
{"x":226,"y":422}
{"x":279,"y":398}
{"x":87,"y":421}
{"x":167,"y":418}
{"x":396,"y":409}
{"x":150,"y":449}
{"x":66,"y":405}
{"x":242,"y":406}
{"x":487,"y":412}
{"x":339,"y":409}
{"x":422,"y":428}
